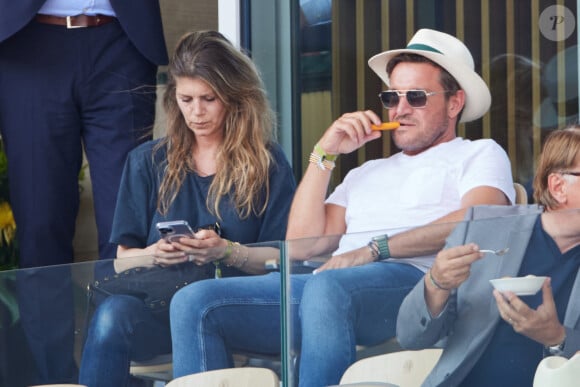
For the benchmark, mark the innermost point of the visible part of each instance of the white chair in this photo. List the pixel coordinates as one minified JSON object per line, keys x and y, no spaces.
{"x":238,"y":377}
{"x":388,"y":346}
{"x":402,"y":368}
{"x":158,"y":368}
{"x":558,"y":371}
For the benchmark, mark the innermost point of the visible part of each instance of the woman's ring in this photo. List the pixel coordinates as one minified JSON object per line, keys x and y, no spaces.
{"x":190,"y":258}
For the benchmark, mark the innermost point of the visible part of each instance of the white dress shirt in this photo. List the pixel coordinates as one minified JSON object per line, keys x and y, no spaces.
{"x":72,"y":8}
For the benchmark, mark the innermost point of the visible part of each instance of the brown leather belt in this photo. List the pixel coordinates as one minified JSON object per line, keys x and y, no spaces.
{"x":78,"y":21}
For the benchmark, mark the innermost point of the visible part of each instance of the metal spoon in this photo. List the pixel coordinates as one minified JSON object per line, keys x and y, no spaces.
{"x":496,"y":252}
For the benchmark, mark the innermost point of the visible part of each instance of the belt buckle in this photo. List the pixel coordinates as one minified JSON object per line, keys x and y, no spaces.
{"x":68,"y":23}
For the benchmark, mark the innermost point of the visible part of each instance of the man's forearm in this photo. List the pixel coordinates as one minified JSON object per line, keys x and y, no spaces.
{"x":307,"y":216}
{"x":430,"y":238}
{"x":424,"y":240}
{"x":436,"y":297}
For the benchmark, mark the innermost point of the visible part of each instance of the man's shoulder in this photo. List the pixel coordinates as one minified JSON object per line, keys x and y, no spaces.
{"x":483,"y":148}
{"x":481,"y":143}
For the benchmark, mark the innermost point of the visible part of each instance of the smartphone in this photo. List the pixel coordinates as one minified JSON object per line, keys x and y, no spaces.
{"x":175,"y":229}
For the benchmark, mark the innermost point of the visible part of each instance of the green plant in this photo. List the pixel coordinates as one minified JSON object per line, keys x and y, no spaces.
{"x":8,"y":242}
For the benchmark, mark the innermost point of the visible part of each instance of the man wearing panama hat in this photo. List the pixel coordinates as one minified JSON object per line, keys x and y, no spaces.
{"x":437,"y":176}
{"x":452,"y":55}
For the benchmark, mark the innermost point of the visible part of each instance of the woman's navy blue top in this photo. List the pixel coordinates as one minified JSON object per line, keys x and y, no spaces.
{"x":136,"y":213}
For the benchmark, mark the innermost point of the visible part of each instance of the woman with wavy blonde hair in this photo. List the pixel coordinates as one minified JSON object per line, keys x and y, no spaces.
{"x":242,"y":159}
{"x":218,"y":168}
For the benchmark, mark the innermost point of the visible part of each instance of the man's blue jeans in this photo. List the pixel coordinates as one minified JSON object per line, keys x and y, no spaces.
{"x":122,"y":329}
{"x":212,"y":319}
{"x":337,"y":310}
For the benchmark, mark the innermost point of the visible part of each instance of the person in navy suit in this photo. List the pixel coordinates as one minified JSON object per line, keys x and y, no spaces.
{"x":64,"y":87}
{"x":74,"y":75}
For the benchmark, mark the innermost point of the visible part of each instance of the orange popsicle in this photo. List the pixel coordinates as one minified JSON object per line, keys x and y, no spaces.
{"x":386,"y":126}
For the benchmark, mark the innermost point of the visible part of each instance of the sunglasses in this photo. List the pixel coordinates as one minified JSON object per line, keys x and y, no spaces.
{"x":570,"y":173}
{"x":415,"y":98}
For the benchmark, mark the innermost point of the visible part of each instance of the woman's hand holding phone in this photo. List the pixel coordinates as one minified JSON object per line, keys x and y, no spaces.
{"x":174,"y":230}
{"x":181,"y":243}
{"x":207,"y":246}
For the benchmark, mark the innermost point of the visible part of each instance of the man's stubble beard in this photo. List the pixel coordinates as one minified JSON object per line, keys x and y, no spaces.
{"x":424,"y":140}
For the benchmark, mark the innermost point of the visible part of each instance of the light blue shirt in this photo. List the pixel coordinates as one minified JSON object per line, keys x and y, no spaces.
{"x":72,"y":8}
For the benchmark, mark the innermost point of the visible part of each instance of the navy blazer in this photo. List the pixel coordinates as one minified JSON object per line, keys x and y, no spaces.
{"x":140,"y":19}
{"x":470,"y":316}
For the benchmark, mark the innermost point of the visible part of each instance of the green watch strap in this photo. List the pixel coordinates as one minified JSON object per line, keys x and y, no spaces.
{"x":383,"y":245}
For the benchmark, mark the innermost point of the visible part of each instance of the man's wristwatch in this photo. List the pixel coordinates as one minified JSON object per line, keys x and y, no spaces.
{"x":382,"y":244}
{"x":555,"y":350}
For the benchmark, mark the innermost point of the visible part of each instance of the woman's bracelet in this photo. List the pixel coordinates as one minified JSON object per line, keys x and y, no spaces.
{"x":435,"y":283}
{"x":244,"y":258}
{"x":234,"y":255}
{"x":234,"y":251}
{"x":227,"y":254}
{"x":228,"y":251}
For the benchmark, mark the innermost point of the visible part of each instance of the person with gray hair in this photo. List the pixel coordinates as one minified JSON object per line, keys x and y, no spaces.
{"x":493,"y":337}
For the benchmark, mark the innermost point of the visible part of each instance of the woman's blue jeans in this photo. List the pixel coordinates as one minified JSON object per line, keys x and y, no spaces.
{"x":331,"y":313}
{"x":122,"y":329}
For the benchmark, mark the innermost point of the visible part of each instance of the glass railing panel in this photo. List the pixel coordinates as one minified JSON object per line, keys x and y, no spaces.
{"x":45,"y":314}
{"x":42,"y":323}
{"x":303,"y":258}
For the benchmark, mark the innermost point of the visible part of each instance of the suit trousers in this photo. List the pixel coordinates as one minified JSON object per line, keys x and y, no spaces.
{"x":61,"y":90}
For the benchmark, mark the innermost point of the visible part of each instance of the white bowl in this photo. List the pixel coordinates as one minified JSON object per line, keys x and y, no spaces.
{"x":558,"y":371}
{"x":521,"y":286}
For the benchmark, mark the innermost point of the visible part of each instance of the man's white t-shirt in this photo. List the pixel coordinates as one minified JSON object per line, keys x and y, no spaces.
{"x":400,"y":192}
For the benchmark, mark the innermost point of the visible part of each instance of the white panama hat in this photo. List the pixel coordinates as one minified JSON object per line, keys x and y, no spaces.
{"x":451,"y":54}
